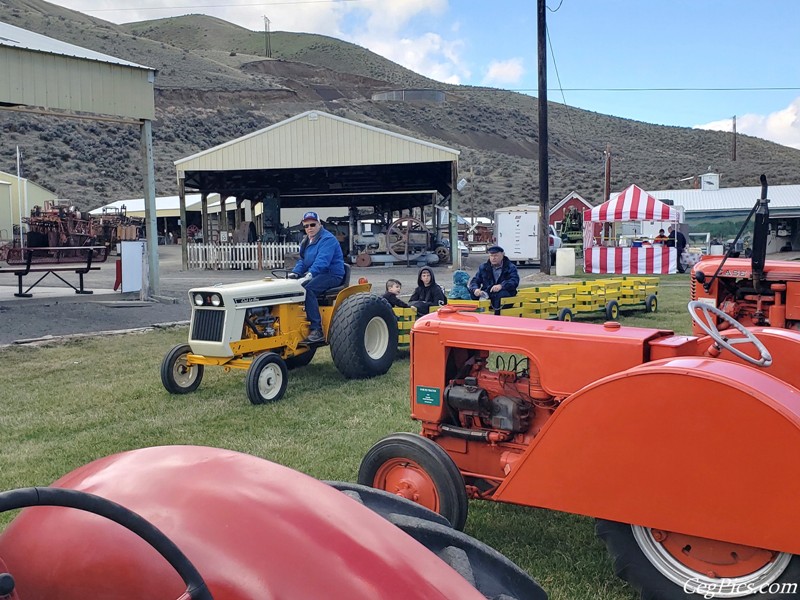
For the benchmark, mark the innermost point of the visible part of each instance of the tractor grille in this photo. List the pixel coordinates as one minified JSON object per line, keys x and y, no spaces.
{"x":207,"y":325}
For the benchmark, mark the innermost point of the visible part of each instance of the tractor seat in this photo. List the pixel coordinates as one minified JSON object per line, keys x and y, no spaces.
{"x":329,"y":296}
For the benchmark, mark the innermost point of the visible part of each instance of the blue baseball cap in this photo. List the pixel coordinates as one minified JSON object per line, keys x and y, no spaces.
{"x":310,"y":216}
{"x":493,"y":249}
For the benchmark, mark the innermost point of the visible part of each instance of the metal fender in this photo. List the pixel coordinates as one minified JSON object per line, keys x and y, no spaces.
{"x":253,"y":529}
{"x":783,"y":345}
{"x":700,"y":446}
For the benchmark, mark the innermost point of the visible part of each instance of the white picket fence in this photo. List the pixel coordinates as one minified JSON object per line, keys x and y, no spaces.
{"x":218,"y":256}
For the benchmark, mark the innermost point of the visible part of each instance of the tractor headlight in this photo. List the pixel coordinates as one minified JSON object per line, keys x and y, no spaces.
{"x":216,"y":300}
{"x":198,"y":299}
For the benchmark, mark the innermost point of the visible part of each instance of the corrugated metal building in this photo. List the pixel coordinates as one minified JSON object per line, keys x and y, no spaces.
{"x":728,"y":204}
{"x":17,"y":197}
{"x":36,"y":70}
{"x":316,"y":160}
{"x":46,"y":76}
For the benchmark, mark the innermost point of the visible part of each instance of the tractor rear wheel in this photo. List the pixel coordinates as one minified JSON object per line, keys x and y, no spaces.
{"x":663,"y":565}
{"x":491,"y":573}
{"x":612,"y":310}
{"x":651,"y":303}
{"x":419,"y":469}
{"x":301,"y":360}
{"x":266,"y":379}
{"x":363,"y":336}
{"x":176,"y":376}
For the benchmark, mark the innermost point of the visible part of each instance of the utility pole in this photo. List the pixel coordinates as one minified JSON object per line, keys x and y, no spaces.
{"x":607,"y":182}
{"x":733,"y":147}
{"x":544,"y":188}
{"x":267,"y":46}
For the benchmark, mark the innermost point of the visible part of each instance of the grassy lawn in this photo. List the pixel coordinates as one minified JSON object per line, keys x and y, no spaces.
{"x":66,"y":405}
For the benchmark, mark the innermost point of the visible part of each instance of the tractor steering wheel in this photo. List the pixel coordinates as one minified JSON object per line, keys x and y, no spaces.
{"x":196,"y":588}
{"x":281,"y":273}
{"x":708,"y":323}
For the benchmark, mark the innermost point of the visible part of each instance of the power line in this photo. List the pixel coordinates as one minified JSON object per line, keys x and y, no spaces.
{"x":558,"y":78}
{"x":676,"y":89}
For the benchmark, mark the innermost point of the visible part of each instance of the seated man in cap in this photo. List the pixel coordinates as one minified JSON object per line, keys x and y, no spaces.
{"x":497,"y":278}
{"x":321,"y":266}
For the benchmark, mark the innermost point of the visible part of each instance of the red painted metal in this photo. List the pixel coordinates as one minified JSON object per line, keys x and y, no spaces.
{"x":633,"y":425}
{"x":254,"y":530}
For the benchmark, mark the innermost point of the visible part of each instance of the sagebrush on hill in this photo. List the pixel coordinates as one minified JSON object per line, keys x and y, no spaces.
{"x":213,"y":86}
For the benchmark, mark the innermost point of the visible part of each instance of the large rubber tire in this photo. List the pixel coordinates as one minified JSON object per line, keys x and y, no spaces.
{"x":301,"y":360}
{"x":266,"y":379}
{"x":612,"y":310}
{"x":418,"y":469}
{"x":363,"y":336}
{"x":491,"y":573}
{"x":176,"y":377}
{"x":651,"y":303}
{"x":641,"y":569}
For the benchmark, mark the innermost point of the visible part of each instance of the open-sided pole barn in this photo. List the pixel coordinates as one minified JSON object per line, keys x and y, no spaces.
{"x":318,"y":160}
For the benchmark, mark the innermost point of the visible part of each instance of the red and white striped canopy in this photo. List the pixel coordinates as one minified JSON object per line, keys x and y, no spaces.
{"x":632,"y":204}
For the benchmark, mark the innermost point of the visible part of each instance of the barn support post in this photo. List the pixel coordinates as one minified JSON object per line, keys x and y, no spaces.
{"x":182,"y":202}
{"x":146,"y":131}
{"x":455,"y":253}
{"x":237,"y":218}
{"x":223,"y":213}
{"x":352,"y":225}
{"x":204,"y":217}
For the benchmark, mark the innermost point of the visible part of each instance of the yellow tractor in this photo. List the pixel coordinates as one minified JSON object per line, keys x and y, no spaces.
{"x":260,"y":326}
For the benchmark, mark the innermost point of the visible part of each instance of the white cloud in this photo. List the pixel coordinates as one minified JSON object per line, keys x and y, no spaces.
{"x":503,"y":72}
{"x":782,"y":126}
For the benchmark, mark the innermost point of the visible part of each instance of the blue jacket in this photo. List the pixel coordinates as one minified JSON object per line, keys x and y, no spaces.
{"x":484,"y":279}
{"x":324,"y":256}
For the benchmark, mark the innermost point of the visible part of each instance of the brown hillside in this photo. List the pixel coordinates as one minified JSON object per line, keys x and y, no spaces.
{"x":214,"y":85}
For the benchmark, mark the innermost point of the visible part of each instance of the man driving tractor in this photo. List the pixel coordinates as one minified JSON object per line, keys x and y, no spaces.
{"x":321,"y":267}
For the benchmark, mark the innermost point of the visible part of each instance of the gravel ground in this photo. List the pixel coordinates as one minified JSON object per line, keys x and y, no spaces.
{"x":33,"y":318}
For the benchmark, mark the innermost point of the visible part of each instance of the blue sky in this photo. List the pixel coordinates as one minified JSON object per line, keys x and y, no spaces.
{"x":712,"y":53}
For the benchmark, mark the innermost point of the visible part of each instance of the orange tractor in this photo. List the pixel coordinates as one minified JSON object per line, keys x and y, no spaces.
{"x":682,"y":447}
{"x":754,"y":291}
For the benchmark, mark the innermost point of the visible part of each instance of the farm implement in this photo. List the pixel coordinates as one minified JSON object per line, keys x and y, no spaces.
{"x":606,"y":296}
{"x":682,"y":447}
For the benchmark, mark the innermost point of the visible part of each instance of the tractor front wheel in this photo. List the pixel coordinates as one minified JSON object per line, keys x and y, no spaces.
{"x":420,"y":470}
{"x":301,"y":360}
{"x":266,"y":379}
{"x":363,"y":336}
{"x":663,"y":565}
{"x":177,"y":376}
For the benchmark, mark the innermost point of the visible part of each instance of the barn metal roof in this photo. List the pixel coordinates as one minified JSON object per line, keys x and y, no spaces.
{"x":318,"y":159}
{"x":16,"y":37}
{"x":733,"y":203}
{"x":784,"y":200}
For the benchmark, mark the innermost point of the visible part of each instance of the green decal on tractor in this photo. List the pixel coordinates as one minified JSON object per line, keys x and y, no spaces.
{"x":429,"y":396}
